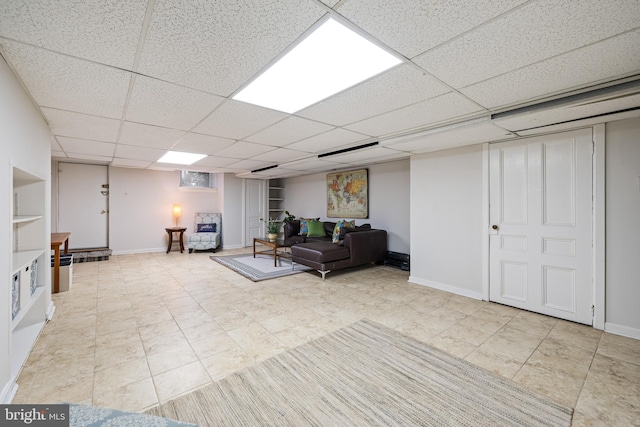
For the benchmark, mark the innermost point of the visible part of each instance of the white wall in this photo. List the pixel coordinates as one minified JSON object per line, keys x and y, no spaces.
{"x":232,"y":197}
{"x":26,"y":142}
{"x":446,"y":220}
{"x":622,"y":212}
{"x":306,"y":196}
{"x":140,"y":207}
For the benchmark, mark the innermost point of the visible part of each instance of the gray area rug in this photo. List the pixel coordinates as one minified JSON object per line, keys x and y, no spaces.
{"x":259,"y":268}
{"x":364,"y":374}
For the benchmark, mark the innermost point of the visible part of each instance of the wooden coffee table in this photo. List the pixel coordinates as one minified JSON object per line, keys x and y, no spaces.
{"x":273,"y":248}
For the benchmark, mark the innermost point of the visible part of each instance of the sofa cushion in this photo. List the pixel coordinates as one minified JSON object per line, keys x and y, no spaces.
{"x":343,"y":223}
{"x":291,"y":228}
{"x":320,"y":252}
{"x":315,"y":229}
{"x":304,"y":224}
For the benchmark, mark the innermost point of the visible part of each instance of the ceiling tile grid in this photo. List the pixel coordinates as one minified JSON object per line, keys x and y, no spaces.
{"x":133,"y":79}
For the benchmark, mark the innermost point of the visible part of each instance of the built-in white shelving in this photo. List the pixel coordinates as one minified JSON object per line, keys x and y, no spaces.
{"x":29,"y":283}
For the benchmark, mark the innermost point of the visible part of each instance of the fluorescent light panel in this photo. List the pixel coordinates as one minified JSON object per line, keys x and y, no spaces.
{"x":329,"y":60}
{"x":181,"y":158}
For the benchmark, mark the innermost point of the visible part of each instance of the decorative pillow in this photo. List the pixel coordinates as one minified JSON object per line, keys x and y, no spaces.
{"x":304,"y":227}
{"x":343,"y":223}
{"x":345,"y":230}
{"x":315,"y":229}
{"x":206,"y":228}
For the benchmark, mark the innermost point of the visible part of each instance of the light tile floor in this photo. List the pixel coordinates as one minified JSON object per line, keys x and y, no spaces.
{"x":141,"y":329}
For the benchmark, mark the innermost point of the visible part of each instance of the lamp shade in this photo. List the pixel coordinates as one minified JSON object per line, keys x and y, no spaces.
{"x":177,"y":211}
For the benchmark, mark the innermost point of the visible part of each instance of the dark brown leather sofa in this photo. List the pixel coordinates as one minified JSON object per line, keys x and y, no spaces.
{"x":359,"y":246}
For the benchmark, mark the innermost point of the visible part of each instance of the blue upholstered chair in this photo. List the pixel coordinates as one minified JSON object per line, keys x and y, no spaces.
{"x":206,"y":232}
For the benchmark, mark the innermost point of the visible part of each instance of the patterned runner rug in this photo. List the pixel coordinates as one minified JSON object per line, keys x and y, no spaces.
{"x":364,"y":374}
{"x":259,"y":268}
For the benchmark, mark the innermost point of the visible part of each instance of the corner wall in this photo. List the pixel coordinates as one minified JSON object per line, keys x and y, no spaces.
{"x":446,"y":220}
{"x":622,"y":147}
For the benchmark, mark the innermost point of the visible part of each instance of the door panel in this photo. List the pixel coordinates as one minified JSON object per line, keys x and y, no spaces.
{"x":83,"y":204}
{"x":540,"y":205}
{"x":255,"y":209}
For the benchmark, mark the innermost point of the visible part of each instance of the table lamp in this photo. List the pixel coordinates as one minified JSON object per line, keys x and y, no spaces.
{"x":177,"y":211}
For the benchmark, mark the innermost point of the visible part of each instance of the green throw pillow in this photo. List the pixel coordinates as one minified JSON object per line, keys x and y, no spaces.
{"x":316,"y":229}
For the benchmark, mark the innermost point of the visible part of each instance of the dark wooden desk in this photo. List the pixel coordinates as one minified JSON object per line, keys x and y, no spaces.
{"x":179,"y":230}
{"x":57,"y":239}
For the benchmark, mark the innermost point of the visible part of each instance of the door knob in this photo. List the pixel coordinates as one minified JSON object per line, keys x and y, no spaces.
{"x":494,"y":226}
{"x":103,"y":212}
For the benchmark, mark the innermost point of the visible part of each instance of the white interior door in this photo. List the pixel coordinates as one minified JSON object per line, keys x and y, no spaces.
{"x":541,"y":225}
{"x":255,"y":206}
{"x":83,"y":204}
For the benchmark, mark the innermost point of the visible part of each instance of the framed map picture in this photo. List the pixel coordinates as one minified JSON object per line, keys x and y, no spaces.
{"x":348,"y":194}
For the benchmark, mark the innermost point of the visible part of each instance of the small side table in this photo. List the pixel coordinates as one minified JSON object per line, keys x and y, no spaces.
{"x":178,"y":230}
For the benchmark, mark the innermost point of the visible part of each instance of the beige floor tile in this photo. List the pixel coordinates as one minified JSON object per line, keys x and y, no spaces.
{"x":209,"y":346}
{"x":136,"y":397}
{"x":556,"y":386}
{"x":164,"y":342}
{"x":622,"y":348}
{"x":497,"y":364}
{"x":107,"y":356}
{"x":170,"y":359}
{"x":180,"y":380}
{"x":119,"y":375}
{"x":457,"y":347}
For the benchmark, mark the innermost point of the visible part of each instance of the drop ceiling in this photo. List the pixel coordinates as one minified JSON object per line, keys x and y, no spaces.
{"x":120,"y":82}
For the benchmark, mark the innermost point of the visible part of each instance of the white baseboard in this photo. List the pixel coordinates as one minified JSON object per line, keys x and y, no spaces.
{"x":50,"y":310}
{"x":447,"y":288}
{"x":139,"y":251}
{"x":625,"y":331}
{"x":240,"y":246}
{"x":8,"y":392}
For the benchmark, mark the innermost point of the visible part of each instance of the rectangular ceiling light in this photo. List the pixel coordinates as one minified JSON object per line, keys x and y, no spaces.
{"x":181,"y":158}
{"x":329,"y":60}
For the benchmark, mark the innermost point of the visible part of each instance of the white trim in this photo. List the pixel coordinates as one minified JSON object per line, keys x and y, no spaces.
{"x":599,"y":225}
{"x":623,"y":330}
{"x":8,"y":392}
{"x":485,"y":222}
{"x":139,"y":251}
{"x":50,"y":310}
{"x":447,"y":288}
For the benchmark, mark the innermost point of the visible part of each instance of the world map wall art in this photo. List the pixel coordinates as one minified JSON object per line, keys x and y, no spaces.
{"x":348,"y":194}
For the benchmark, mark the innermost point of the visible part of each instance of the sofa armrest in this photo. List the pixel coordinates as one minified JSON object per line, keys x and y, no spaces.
{"x":366,"y":246}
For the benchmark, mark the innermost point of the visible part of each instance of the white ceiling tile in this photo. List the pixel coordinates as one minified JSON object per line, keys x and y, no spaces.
{"x":280,"y":155}
{"x":138,"y":153}
{"x":106,"y":31}
{"x":326,"y":141}
{"x":90,"y":157}
{"x":453,"y":137}
{"x":84,"y":146}
{"x":250,"y":164}
{"x":66,"y":83}
{"x":582,"y":123}
{"x":230,"y":120}
{"x":412,"y":27}
{"x":55,"y":146}
{"x":312,"y":164}
{"x":130,"y":163}
{"x":561,"y":73}
{"x":432,"y":111}
{"x":218,"y":46}
{"x":215,"y":161}
{"x":399,"y":87}
{"x":243,"y":150}
{"x":289,"y":130}
{"x":76,"y":125}
{"x":164,"y":104}
{"x":149,"y":136}
{"x":330,"y":3}
{"x":202,"y":144}
{"x":537,"y":31}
